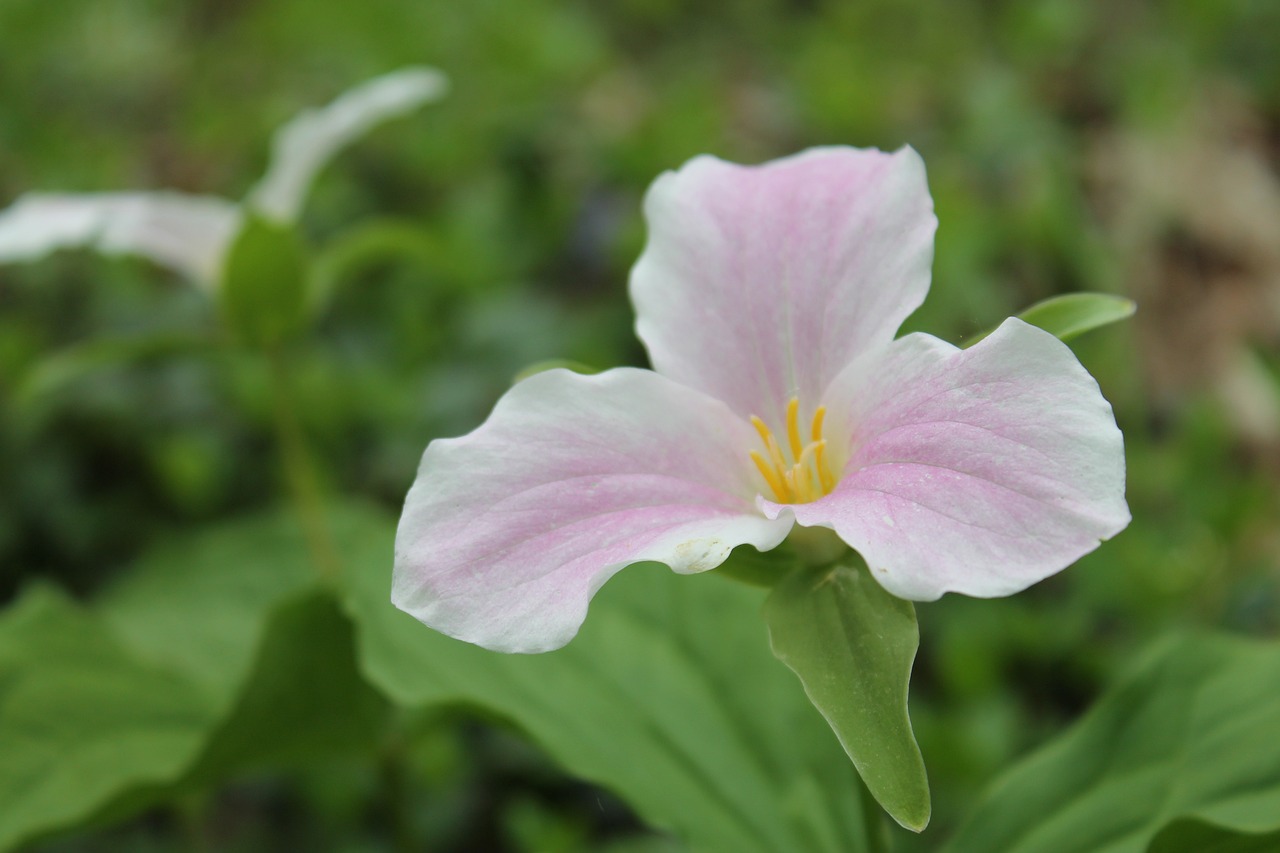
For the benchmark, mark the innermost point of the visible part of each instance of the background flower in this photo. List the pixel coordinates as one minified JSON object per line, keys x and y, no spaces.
{"x":191,"y":234}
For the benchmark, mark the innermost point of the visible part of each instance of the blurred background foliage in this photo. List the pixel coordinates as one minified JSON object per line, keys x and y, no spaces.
{"x":1130,"y":147}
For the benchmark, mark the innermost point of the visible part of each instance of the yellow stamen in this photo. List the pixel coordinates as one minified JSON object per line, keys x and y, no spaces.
{"x":804,"y":474}
{"x":793,"y":427}
{"x":765,"y":434}
{"x":816,"y":433}
{"x":792,"y":488}
{"x":770,"y":443}
{"x":776,"y":453}
{"x":771,"y":477}
{"x":820,"y":462}
{"x":804,"y":489}
{"x":804,"y":480}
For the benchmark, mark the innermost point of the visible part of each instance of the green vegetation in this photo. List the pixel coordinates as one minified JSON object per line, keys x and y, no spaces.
{"x":145,"y":545}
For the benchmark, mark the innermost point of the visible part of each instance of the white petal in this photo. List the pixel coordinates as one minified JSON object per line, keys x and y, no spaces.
{"x":508,"y":532}
{"x":189,"y":234}
{"x":978,"y":471}
{"x":762,"y":282}
{"x":302,"y":147}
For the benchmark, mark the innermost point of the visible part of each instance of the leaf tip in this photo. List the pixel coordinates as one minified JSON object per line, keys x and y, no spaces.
{"x":916,"y":819}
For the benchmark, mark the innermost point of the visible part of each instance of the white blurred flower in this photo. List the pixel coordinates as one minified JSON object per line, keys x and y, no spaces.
{"x":191,"y":234}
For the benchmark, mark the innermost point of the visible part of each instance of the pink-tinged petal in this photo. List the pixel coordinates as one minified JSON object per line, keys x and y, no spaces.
{"x":759,"y":283}
{"x":978,"y":471}
{"x":188,"y":234}
{"x":509,"y":531}
{"x":306,"y":144}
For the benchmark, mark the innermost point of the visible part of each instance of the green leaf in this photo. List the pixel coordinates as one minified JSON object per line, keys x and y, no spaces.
{"x":669,"y":697}
{"x":215,"y":654}
{"x":305,"y":698}
{"x":1194,"y":836}
{"x":303,"y":703}
{"x":370,"y":244}
{"x":852,"y":645}
{"x":82,"y":718}
{"x":225,"y":652}
{"x":554,"y":364}
{"x":1074,"y":314}
{"x":236,"y":610}
{"x":1190,"y":734}
{"x":264,"y":282}
{"x":747,"y":565}
{"x":69,"y":365}
{"x":199,"y":604}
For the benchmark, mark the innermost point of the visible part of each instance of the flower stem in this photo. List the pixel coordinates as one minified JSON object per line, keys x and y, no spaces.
{"x":394,"y":780}
{"x":304,"y":483}
{"x":192,"y":813}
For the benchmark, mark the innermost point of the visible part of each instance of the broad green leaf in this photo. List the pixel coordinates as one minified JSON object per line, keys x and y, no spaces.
{"x":1073,"y":314}
{"x":305,"y":698}
{"x":1190,"y":734}
{"x":82,"y":718}
{"x":199,"y":604}
{"x":304,"y":702}
{"x":852,"y":645}
{"x":215,"y":654}
{"x":237,"y":610}
{"x":669,"y":697}
{"x":264,"y":282}
{"x":1194,"y":836}
{"x":747,"y":565}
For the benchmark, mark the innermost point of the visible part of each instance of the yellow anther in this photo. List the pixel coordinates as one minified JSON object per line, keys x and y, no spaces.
{"x":816,"y":433}
{"x":820,"y":462}
{"x":765,"y":434}
{"x":802,"y":476}
{"x":770,"y":473}
{"x":770,"y":443}
{"x":775,"y":452}
{"x":793,"y":427}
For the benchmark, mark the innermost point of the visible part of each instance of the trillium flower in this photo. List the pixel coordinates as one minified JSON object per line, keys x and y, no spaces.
{"x":191,"y":234}
{"x":768,"y":298}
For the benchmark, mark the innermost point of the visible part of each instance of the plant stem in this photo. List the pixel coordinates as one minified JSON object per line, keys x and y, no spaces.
{"x":192,"y":814}
{"x":395,"y":792}
{"x":304,"y":483}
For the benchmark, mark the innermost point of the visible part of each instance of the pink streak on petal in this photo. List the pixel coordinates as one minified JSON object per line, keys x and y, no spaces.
{"x":762,"y":282}
{"x":979,"y":471}
{"x":509,"y":531}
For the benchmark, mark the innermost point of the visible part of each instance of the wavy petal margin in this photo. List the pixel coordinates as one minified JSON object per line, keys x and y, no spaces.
{"x":978,"y":471}
{"x":509,"y":531}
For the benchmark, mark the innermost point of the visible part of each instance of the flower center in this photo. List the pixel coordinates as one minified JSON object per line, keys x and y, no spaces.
{"x":799,"y":472}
